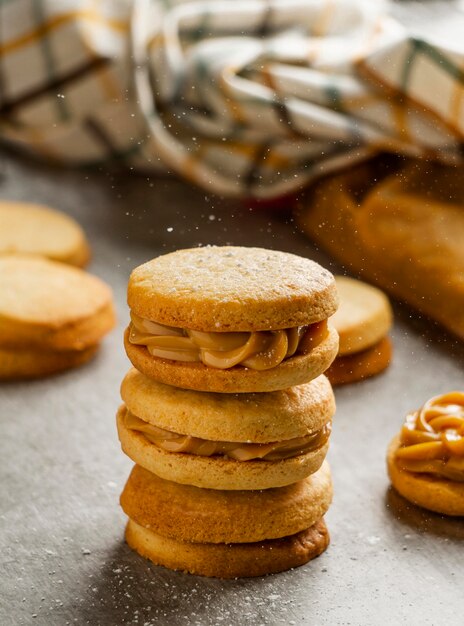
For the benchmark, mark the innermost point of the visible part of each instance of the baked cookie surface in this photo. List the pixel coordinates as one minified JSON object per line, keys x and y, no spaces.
{"x":426,"y":461}
{"x":361,"y":365}
{"x":364,"y":315}
{"x":231,"y":319}
{"x":259,"y":418}
{"x":226,"y":288}
{"x":19,"y":364}
{"x":49,"y":305}
{"x":429,"y":492}
{"x":38,"y":230}
{"x":229,"y":560}
{"x":189,"y":513}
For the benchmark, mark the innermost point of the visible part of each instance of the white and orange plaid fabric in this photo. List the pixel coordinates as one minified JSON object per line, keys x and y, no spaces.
{"x":243,"y":97}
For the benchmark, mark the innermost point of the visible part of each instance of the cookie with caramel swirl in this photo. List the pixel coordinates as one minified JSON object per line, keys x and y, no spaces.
{"x":226,"y":441}
{"x":231,"y":319}
{"x":426,"y":460}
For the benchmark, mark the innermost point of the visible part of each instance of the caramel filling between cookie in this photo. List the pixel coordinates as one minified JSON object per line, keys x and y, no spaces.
{"x":275,"y":451}
{"x":432,"y":438}
{"x":259,"y":350}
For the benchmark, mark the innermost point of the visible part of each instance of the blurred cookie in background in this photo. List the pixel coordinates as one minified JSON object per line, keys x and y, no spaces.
{"x":362,"y":321}
{"x":34,"y":229}
{"x":52,"y":316}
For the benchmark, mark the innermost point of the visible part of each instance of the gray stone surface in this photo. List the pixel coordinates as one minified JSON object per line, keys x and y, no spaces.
{"x":63,"y":559}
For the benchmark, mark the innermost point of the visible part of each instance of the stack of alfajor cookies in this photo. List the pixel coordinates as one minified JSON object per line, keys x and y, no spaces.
{"x":227,"y":414}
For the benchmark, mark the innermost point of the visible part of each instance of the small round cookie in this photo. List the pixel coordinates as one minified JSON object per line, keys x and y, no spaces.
{"x":229,"y":560}
{"x":34,"y":229}
{"x":426,"y":461}
{"x":45,"y":305}
{"x":228,"y":288}
{"x":363,"y":317}
{"x":425,"y":490}
{"x":295,"y":421}
{"x":231,"y":319}
{"x":21,"y":364}
{"x":187,"y":513}
{"x":360,"y":365}
{"x":256,"y":417}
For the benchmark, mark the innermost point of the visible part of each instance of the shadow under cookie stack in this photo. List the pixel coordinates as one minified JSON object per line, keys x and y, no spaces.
{"x":227,"y":414}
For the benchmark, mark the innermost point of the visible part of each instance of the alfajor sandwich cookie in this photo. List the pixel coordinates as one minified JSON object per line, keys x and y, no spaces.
{"x":226,"y":441}
{"x":362,"y":322}
{"x":231,"y":319}
{"x":52,"y":316}
{"x":426,"y":461}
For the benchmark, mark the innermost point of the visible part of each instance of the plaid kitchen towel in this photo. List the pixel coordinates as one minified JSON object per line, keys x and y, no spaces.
{"x":243,"y":97}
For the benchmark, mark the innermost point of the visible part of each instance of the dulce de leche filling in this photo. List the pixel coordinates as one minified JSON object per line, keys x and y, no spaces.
{"x":259,"y":350}
{"x":432,"y":438}
{"x":275,"y":451}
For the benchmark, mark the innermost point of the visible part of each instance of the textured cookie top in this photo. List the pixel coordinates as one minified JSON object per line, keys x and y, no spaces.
{"x":364,"y":316}
{"x":34,"y":229}
{"x":39,"y":292}
{"x":228,"y":288}
{"x":257,"y":417}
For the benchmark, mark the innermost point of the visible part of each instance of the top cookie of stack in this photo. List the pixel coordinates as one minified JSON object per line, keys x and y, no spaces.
{"x":231,"y":320}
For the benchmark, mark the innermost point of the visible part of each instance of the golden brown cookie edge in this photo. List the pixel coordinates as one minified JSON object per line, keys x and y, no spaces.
{"x":230,"y":560}
{"x":196,"y":514}
{"x":435,"y":494}
{"x":355,"y":367}
{"x":216,"y":472}
{"x":196,"y":310}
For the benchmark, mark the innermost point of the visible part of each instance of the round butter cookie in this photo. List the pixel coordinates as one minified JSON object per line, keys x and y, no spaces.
{"x":254,"y":417}
{"x":229,"y":560}
{"x":18,"y":364}
{"x":50,"y":306}
{"x":426,"y":460}
{"x":231,"y":319}
{"x":426,"y":490}
{"x":227,"y":288}
{"x":34,"y":229}
{"x":363,"y":318}
{"x":187,"y":513}
{"x":360,"y":365}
